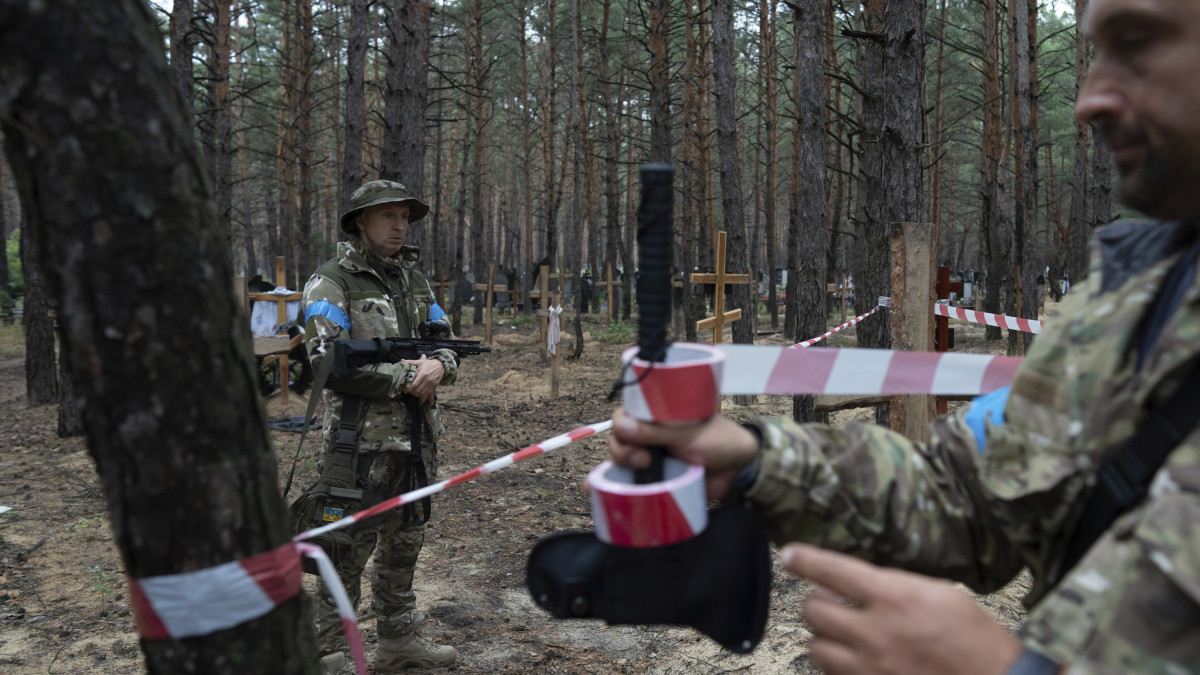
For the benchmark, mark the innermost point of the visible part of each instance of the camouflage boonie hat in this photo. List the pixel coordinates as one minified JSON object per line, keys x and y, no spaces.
{"x":381,"y":192}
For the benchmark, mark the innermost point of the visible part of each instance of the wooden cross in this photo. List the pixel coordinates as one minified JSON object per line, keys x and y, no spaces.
{"x":720,"y":278}
{"x":275,"y":349}
{"x":941,"y":325}
{"x":491,"y":288}
{"x":608,"y":285}
{"x":441,"y":285}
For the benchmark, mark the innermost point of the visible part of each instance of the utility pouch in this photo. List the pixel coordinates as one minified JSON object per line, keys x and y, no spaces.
{"x":717,"y":582}
{"x":316,"y":507}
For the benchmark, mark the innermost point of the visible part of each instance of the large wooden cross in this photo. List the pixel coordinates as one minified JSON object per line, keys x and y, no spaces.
{"x":609,"y":284}
{"x":720,"y":278}
{"x":490,"y":288}
{"x":274,"y":349}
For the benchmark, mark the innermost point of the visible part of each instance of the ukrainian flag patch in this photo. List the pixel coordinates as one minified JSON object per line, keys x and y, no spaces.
{"x":332,"y":515}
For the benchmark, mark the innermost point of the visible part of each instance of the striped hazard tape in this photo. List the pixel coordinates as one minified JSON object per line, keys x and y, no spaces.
{"x":481,"y":470}
{"x":1001,"y":320}
{"x":202,"y":602}
{"x":212,"y":599}
{"x":851,"y":322}
{"x":751,"y":369}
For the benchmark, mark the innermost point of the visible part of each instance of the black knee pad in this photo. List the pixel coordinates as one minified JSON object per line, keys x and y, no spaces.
{"x":717,"y":582}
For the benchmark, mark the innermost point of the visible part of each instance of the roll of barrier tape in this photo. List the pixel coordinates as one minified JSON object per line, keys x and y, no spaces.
{"x":652,"y":514}
{"x":686,"y":386}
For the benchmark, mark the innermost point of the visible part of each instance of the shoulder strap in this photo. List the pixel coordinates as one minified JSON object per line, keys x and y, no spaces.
{"x":1125,"y":478}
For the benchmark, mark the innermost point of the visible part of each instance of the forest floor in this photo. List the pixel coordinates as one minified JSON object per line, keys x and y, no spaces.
{"x":64,"y":606}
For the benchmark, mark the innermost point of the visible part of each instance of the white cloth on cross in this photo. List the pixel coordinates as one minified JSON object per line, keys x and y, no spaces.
{"x":264,"y":314}
{"x":552,"y":332}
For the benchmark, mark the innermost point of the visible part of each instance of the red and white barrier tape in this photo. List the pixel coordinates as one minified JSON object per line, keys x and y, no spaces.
{"x":1001,"y":320}
{"x":202,"y":602}
{"x":345,"y":610}
{"x":652,"y":514}
{"x":851,"y":322}
{"x":685,"y":386}
{"x":208,"y":600}
{"x":481,"y":470}
{"x":751,"y":369}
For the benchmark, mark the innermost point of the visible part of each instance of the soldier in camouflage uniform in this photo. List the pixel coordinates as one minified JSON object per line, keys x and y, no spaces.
{"x":374,"y":289}
{"x":1003,"y":484}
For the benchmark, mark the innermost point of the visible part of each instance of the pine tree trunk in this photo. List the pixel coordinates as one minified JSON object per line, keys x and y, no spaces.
{"x":477,"y":75}
{"x":147,"y":316}
{"x":180,"y":29}
{"x":356,"y":61}
{"x":993,"y":228}
{"x":807,"y":257}
{"x":871,"y":246}
{"x":41,"y":374}
{"x":303,"y":264}
{"x":1080,"y":226}
{"x":725,"y":107}
{"x":660,"y":74}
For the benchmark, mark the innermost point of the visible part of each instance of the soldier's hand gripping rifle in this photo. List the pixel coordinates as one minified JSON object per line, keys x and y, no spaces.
{"x":351,"y":354}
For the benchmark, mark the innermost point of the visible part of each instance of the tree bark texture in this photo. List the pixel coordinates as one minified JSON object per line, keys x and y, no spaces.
{"x":807,"y":258}
{"x":725,"y":107}
{"x":303,"y":264}
{"x":407,"y":80}
{"x":872,"y":245}
{"x":993,"y":224}
{"x":356,"y":60}
{"x":660,"y":77}
{"x":180,"y":28}
{"x":1080,"y":225}
{"x":125,"y":223}
{"x":41,"y":378}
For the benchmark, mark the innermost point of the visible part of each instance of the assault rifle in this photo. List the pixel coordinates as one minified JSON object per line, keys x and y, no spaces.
{"x":351,"y":354}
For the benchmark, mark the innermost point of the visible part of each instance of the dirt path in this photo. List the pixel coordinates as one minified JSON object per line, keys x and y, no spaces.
{"x":64,"y":606}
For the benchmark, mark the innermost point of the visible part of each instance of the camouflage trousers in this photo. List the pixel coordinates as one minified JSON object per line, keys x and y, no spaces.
{"x":396,"y":545}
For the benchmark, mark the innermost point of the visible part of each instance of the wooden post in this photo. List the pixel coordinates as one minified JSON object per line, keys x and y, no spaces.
{"x":720,"y":278}
{"x":440,"y":285}
{"x":912,"y":317}
{"x":609,"y":284}
{"x":941,"y":336}
{"x":845,"y":282}
{"x":489,"y":288}
{"x":675,"y":283}
{"x":273,"y":354}
{"x":543,"y":297}
{"x":1020,"y":337}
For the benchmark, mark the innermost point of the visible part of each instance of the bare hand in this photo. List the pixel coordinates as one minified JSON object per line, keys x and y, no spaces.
{"x":428,"y":377}
{"x":719,"y":444}
{"x":897,"y":622}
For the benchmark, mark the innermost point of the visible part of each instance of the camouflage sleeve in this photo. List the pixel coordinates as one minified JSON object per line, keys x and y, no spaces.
{"x":1133,"y":601}
{"x":327,"y":319}
{"x":870,"y":492}
{"x":449,"y":365}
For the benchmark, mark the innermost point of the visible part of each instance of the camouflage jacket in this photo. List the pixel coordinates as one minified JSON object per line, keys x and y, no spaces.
{"x":947,"y":509}
{"x":360,"y":296}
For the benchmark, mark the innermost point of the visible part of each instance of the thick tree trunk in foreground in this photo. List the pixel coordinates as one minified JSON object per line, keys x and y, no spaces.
{"x":126,"y":224}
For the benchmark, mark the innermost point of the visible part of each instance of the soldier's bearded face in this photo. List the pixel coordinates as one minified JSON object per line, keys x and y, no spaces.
{"x":383,"y":228}
{"x":1143,"y":94}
